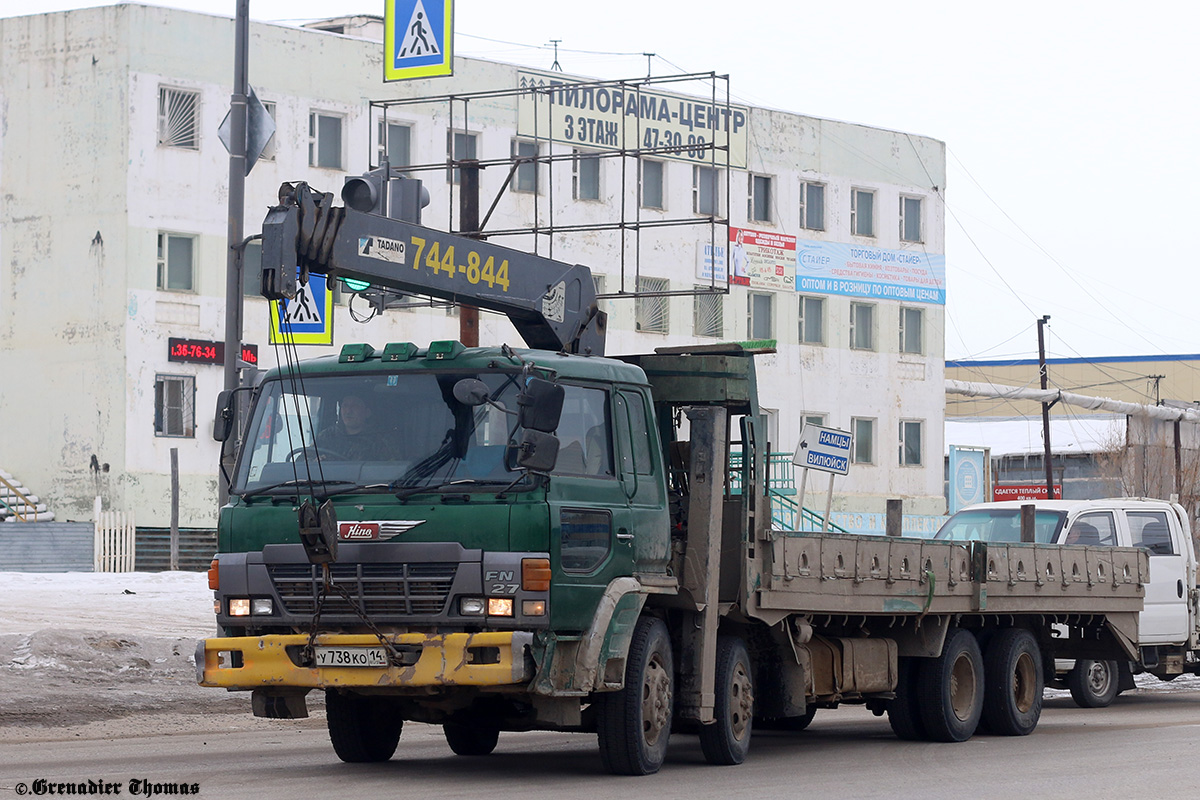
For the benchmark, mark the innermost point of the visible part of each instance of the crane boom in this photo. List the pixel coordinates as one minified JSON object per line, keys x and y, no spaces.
{"x":552,"y":304}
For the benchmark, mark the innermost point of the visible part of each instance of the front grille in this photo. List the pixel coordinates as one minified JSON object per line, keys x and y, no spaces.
{"x":380,"y":590}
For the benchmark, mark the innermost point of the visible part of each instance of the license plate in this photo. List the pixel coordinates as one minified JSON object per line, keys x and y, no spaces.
{"x":351,"y":657}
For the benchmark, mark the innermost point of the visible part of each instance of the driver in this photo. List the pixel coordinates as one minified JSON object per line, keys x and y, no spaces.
{"x":352,"y":437}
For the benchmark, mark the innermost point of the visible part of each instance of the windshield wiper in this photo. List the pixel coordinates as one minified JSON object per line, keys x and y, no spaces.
{"x":293,"y":483}
{"x":409,"y":491}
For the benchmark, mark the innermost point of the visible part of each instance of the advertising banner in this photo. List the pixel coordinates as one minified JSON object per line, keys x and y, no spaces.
{"x":612,"y":116}
{"x":850,"y":269}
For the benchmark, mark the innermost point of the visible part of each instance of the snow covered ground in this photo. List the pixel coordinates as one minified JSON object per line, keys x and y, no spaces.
{"x":78,"y":648}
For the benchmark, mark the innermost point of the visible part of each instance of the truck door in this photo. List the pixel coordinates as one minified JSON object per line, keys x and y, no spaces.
{"x":1164,"y":618}
{"x":641,"y":472}
{"x":590,"y":517}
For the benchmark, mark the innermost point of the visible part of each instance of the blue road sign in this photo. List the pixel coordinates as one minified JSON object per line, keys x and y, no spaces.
{"x":307,"y":318}
{"x":418,"y":39}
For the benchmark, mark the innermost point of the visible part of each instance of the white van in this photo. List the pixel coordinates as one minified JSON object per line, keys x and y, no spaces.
{"x":1167,"y":626}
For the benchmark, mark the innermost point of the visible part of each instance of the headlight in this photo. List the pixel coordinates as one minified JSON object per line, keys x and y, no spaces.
{"x":471,"y":606}
{"x":262,"y":606}
{"x":500,"y":607}
{"x":239,"y":606}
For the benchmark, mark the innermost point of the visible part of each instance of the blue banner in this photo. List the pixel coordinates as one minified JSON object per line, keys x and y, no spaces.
{"x":914,"y":276}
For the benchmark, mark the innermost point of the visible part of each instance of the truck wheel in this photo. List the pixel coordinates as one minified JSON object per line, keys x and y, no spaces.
{"x":362,"y":729}
{"x":904,"y":714}
{"x":727,"y":740}
{"x":634,"y":723}
{"x":1012,"y":674}
{"x":475,"y":738}
{"x":950,"y":689}
{"x":1093,"y":684}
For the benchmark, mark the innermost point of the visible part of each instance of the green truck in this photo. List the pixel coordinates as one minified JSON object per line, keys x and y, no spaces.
{"x":497,"y":539}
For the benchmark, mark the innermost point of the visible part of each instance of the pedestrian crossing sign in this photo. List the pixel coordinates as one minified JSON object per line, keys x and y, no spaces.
{"x":418,"y":39}
{"x":308,"y":317}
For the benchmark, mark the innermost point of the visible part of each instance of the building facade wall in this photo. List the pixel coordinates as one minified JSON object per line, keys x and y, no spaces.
{"x":84,"y":318}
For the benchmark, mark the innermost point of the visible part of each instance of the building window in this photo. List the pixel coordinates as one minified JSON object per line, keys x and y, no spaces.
{"x":862,"y":326}
{"x":252,"y":269}
{"x":175,"y":405}
{"x":650,"y":184}
{"x":708,"y":315}
{"x":268,"y":151}
{"x":910,"y":219}
{"x":176,"y":262}
{"x":814,"y":419}
{"x":812,"y":206}
{"x":911,"y":325}
{"x":394,"y":140}
{"x":585,"y":175}
{"x":526,"y":179}
{"x":758,"y":316}
{"x":862,"y":212}
{"x":653,"y":313}
{"x":812,"y":320}
{"x":705,"y":182}
{"x":324,"y":140}
{"x":459,"y":147}
{"x":178,"y":118}
{"x":863,"y":431}
{"x":910,"y":443}
{"x":758,"y":202}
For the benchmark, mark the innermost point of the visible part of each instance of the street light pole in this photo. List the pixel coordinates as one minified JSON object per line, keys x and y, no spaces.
{"x":237,"y":201}
{"x":1045,"y":408}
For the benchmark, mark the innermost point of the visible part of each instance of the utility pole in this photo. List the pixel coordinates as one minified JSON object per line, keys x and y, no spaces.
{"x":1045,"y":407}
{"x":468,"y":223}
{"x":237,"y":202}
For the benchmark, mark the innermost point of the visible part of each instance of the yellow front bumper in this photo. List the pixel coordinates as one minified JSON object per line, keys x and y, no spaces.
{"x":451,"y":659}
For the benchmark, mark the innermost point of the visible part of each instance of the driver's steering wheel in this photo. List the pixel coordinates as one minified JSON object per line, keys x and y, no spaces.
{"x":321,"y":454}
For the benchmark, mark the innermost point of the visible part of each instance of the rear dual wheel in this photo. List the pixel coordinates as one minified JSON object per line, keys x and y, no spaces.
{"x":1013,"y":683}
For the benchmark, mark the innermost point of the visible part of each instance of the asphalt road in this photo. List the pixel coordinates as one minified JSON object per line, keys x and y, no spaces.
{"x":1142,"y":746}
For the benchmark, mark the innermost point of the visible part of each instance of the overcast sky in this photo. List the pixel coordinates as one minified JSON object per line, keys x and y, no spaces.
{"x":1070,"y":132}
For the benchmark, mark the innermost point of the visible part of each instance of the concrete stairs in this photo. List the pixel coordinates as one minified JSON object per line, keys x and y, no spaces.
{"x":17,"y":504}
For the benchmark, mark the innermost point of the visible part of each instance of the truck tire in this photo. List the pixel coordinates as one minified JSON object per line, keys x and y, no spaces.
{"x":950,"y":689}
{"x":362,"y":729}
{"x":1012,"y":689}
{"x":1093,"y":684}
{"x":474,"y":738}
{"x":634,"y":723}
{"x":904,"y":714}
{"x":727,"y":740}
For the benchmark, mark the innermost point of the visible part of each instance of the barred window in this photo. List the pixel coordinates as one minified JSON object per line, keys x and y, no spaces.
{"x":175,"y":406}
{"x":653,"y":312}
{"x":708,"y":317}
{"x":178,"y":112}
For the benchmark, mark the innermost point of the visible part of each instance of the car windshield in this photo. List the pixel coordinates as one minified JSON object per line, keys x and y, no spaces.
{"x":386,"y":432}
{"x":1000,"y":525}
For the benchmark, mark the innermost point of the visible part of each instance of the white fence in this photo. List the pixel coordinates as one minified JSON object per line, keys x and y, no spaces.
{"x":113,"y":550}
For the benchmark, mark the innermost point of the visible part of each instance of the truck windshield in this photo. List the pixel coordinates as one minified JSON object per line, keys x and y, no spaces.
{"x":386,"y":432}
{"x":1000,"y":525}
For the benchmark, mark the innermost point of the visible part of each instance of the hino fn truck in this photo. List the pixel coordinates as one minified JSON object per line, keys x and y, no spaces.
{"x":508,"y":538}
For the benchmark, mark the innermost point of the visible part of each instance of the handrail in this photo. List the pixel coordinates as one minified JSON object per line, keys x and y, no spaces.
{"x":24,"y":500}
{"x":786,"y":514}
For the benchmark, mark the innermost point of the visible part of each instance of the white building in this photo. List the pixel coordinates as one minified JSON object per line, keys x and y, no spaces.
{"x":113,"y":207}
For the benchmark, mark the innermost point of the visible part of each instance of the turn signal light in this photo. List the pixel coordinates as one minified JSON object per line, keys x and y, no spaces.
{"x":214,"y":582}
{"x":535,"y":574}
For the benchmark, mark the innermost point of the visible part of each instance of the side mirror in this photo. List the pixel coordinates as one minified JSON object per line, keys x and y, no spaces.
{"x":225,"y":420}
{"x":471,"y":392}
{"x":540,"y":406}
{"x":537,"y":451}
